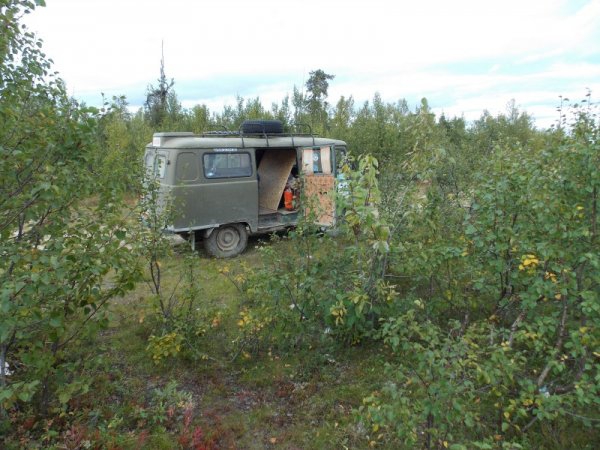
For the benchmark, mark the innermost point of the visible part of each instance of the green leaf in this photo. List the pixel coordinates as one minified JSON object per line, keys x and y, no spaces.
{"x":64,"y":397}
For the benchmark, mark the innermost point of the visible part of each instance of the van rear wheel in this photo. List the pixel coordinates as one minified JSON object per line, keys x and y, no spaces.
{"x":227,"y":241}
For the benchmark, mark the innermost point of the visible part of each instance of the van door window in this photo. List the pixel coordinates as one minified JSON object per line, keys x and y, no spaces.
{"x":187,"y":167}
{"x":340,"y":156}
{"x":149,"y":163}
{"x":227,"y":165}
{"x":160,"y":166}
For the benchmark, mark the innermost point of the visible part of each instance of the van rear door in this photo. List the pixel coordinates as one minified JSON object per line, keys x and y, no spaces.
{"x":319,"y":182}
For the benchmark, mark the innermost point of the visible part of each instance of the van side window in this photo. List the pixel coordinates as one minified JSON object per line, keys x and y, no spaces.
{"x":187,"y":167}
{"x":227,"y":165}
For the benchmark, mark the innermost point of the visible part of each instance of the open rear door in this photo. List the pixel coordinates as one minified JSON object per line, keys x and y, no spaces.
{"x":273,"y":172}
{"x":319,"y":183}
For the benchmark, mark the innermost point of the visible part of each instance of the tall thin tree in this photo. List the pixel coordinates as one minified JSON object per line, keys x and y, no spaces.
{"x":157,"y":97}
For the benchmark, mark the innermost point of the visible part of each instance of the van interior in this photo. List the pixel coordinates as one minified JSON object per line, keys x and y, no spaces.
{"x":278,"y":177}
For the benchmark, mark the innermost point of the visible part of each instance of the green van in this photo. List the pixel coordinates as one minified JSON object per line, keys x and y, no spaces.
{"x":223,"y":186}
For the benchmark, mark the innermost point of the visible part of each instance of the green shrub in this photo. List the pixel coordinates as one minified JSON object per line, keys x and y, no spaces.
{"x":523,"y":278}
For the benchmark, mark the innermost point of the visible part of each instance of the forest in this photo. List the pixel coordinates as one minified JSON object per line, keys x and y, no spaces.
{"x":456,"y":307}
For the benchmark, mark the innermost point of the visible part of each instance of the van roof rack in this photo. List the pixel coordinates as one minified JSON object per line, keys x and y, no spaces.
{"x":262,"y":129}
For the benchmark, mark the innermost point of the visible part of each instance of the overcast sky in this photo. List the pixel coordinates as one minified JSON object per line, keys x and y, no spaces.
{"x":464,"y":56}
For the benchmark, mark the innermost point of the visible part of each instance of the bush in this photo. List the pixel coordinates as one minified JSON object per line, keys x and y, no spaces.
{"x":524,"y":271}
{"x":64,"y":246}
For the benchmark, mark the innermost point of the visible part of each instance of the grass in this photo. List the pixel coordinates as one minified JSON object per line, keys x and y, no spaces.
{"x":301,"y":399}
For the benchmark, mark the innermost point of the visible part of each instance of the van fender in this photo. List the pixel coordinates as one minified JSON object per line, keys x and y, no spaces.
{"x":208,"y":231}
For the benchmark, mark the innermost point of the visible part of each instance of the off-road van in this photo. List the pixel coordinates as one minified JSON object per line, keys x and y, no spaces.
{"x":223,"y":186}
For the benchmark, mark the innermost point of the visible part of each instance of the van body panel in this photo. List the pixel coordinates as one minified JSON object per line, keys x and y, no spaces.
{"x":208,"y":205}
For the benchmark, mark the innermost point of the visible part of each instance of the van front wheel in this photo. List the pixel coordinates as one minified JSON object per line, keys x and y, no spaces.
{"x":227,"y":241}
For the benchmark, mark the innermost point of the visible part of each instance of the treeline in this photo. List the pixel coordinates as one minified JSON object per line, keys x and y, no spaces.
{"x":391,"y":132}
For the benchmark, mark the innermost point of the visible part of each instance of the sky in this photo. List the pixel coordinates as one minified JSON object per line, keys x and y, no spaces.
{"x":464,"y":56}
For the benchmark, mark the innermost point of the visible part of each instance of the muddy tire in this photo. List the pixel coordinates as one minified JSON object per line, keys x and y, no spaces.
{"x":262,"y":127}
{"x":227,"y":241}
